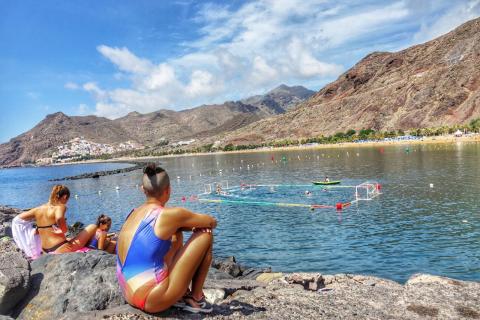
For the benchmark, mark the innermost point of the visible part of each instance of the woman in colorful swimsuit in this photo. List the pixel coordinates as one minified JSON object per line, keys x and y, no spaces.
{"x":52,"y":226}
{"x":154,"y":269}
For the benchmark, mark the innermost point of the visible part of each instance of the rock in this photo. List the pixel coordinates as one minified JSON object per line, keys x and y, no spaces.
{"x":253,"y":273}
{"x":218,"y":275}
{"x":328,"y":279}
{"x":74,"y":229}
{"x":71,"y":282}
{"x":214,"y":295}
{"x":6,"y":216}
{"x":14,"y":275}
{"x":269,"y":277}
{"x":311,"y":282}
{"x":96,"y":175}
{"x":445,"y":298}
{"x":231,"y":267}
{"x":230,"y":286}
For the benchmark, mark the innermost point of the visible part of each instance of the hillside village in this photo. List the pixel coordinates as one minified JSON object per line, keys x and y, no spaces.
{"x":79,"y":148}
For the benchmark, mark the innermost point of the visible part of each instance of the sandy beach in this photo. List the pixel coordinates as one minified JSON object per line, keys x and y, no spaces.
{"x":474,"y":138}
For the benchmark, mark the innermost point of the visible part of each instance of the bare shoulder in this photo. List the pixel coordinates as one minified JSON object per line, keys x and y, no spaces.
{"x":173,"y":211}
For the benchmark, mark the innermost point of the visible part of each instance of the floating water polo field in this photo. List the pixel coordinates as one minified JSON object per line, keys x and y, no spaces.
{"x":309,"y":196}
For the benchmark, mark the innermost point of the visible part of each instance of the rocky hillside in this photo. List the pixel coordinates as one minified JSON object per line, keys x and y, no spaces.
{"x":56,"y":129}
{"x":428,"y":85}
{"x":149,"y":129}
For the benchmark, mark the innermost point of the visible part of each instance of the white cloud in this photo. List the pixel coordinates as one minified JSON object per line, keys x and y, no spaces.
{"x":71,"y":86}
{"x":461,"y":12}
{"x":125,"y":60}
{"x":262,"y":43}
{"x":83,"y":110}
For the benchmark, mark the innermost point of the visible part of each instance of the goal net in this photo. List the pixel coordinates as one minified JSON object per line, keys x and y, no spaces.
{"x":367,"y":191}
{"x":216,"y":186}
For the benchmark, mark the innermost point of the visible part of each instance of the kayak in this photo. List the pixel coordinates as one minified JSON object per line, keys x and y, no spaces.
{"x":325,"y":183}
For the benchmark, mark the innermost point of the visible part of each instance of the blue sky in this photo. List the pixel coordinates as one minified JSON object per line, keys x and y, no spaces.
{"x":109,"y":58}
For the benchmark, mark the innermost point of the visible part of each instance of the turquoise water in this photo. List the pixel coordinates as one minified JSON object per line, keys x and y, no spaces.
{"x":410,"y":228}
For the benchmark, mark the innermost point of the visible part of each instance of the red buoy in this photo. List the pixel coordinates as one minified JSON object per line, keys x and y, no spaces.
{"x":379,"y":186}
{"x":339,"y":206}
{"x":184,"y":199}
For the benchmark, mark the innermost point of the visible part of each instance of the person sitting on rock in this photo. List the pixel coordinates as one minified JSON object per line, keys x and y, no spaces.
{"x":52,"y":225}
{"x":102,"y":240}
{"x":154,"y":269}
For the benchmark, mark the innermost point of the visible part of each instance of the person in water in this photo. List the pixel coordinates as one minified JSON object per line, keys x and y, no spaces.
{"x":102,"y":240}
{"x":52,"y":225}
{"x":154,"y":268}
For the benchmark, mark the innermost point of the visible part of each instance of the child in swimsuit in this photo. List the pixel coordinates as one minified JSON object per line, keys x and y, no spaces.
{"x":102,"y":240}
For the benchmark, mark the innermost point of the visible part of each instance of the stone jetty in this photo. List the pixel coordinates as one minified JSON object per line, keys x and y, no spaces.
{"x":99,"y":174}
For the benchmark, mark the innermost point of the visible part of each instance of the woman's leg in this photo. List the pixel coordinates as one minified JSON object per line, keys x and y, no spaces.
{"x":80,"y":240}
{"x":184,"y":267}
{"x":201,"y":275}
{"x":111,"y":246}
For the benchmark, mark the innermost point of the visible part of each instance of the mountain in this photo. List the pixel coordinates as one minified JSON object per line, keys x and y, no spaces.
{"x":55,"y":130}
{"x":280,"y":99}
{"x":433,"y":84}
{"x":148,"y":129}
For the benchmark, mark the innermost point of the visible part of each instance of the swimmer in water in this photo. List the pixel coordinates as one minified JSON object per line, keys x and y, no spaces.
{"x":219,"y":189}
{"x":308,"y":193}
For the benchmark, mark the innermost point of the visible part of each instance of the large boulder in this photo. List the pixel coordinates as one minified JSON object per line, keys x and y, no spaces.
{"x":6,"y":216}
{"x":70,"y":283}
{"x":14,"y":275}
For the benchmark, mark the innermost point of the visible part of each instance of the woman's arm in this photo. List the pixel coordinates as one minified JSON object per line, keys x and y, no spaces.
{"x":60,"y":218}
{"x":28,"y":215}
{"x":175,"y":219}
{"x":101,"y":240}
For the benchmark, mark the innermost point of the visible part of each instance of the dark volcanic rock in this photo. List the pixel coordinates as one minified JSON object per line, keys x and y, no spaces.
{"x":6,"y":216}
{"x":71,"y":282}
{"x":14,"y":275}
{"x":98,"y":174}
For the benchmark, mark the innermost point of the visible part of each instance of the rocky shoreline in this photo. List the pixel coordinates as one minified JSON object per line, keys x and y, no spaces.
{"x":84,"y":286}
{"x":98,"y":174}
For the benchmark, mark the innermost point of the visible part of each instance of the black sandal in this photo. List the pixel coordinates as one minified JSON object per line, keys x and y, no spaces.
{"x":203,"y":305}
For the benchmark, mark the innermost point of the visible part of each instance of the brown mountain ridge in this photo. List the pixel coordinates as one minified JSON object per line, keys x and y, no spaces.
{"x":148,"y":129}
{"x":428,"y":85}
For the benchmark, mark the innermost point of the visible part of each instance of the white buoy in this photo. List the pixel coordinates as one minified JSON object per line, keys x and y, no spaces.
{"x":178,"y":177}
{"x":117,"y":188}
{"x":99,"y":191}
{"x":76,"y":196}
{"x":431,"y":185}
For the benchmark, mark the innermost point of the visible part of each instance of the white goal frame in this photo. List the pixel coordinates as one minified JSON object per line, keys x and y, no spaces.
{"x":367,"y":191}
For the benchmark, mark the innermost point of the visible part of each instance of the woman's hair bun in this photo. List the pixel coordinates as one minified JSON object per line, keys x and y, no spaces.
{"x":150,"y":169}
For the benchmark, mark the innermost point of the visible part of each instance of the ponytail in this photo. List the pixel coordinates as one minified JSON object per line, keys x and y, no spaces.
{"x":58,"y":191}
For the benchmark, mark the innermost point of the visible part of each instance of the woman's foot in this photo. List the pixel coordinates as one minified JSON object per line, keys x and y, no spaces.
{"x":197,"y":306}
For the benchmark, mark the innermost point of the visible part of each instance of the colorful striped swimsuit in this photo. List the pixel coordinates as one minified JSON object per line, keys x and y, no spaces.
{"x":144,"y":266}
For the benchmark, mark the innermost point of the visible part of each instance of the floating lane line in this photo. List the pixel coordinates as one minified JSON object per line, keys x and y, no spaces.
{"x":288,"y":186}
{"x":265,"y":203}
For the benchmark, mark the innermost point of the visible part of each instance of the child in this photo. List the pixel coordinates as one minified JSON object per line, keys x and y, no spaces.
{"x":102,"y":240}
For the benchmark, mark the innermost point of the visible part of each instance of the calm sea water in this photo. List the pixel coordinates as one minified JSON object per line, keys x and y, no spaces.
{"x":410,"y":228}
